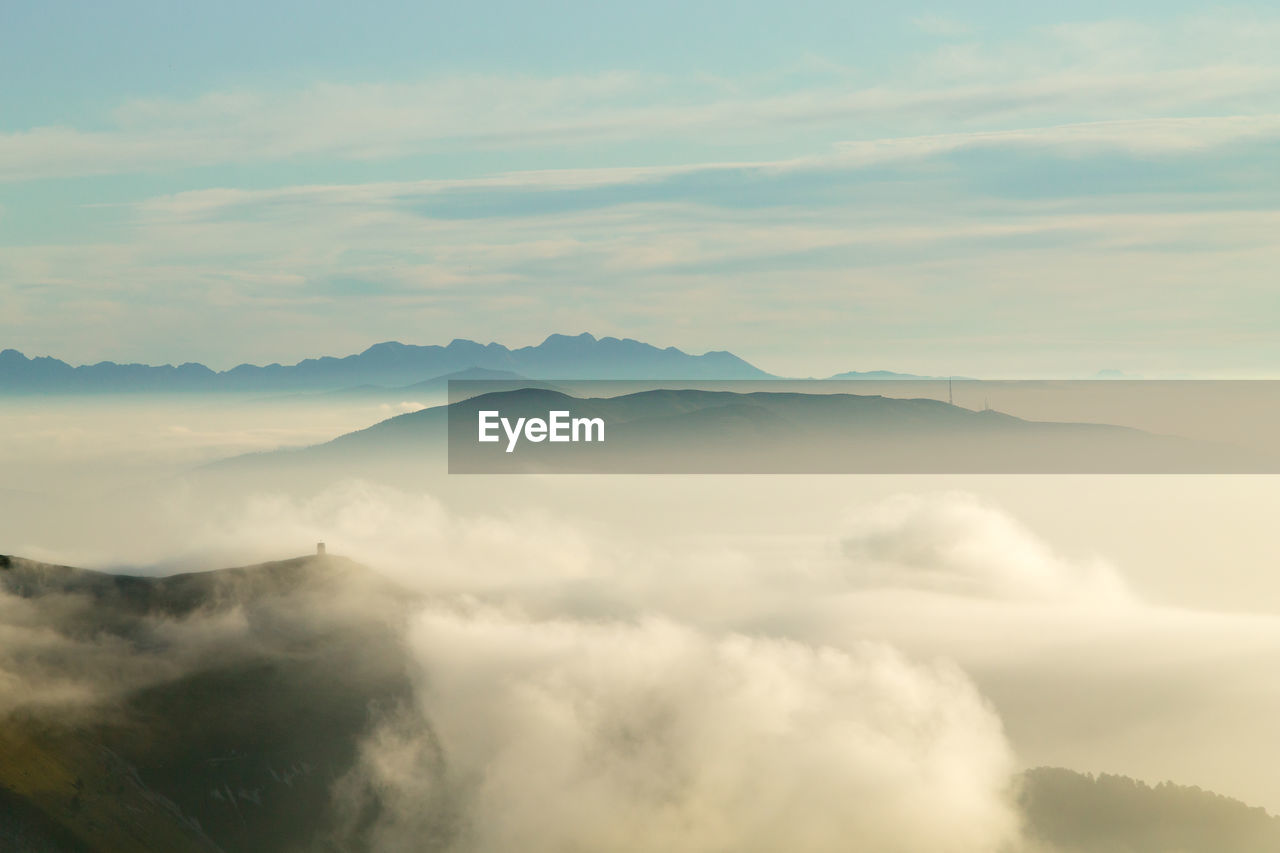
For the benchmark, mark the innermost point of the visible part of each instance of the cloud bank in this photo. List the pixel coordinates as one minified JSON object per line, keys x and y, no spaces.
{"x":569,"y":735}
{"x":958,"y":544}
{"x":682,"y":683}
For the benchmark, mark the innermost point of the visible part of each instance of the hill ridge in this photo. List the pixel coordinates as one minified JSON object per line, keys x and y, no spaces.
{"x":389,"y":363}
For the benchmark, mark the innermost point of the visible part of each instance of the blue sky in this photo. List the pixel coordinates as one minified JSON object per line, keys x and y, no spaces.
{"x":970,"y":188}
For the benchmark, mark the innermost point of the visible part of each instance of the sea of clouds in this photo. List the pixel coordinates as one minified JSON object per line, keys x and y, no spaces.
{"x":878,"y":686}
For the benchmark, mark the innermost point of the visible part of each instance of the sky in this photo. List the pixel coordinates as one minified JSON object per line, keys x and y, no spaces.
{"x":970,"y":188}
{"x":978,"y":189}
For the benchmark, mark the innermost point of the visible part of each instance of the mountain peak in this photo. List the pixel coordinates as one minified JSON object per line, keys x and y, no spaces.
{"x":386,"y":346}
{"x":386,"y":364}
{"x":553,"y":339}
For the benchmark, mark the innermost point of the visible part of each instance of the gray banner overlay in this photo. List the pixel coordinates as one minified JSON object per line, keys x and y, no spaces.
{"x":960,"y":426}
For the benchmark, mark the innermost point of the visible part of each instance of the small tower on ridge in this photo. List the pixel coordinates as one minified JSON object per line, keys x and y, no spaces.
{"x":319,"y":549}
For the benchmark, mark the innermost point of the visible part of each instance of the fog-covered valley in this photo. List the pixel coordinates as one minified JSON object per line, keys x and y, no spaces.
{"x":612,"y":662}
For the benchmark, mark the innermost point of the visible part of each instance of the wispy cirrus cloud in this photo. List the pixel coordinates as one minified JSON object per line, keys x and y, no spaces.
{"x":1069,"y":74}
{"x":350,"y":123}
{"x":391,"y":251}
{"x":1129,"y":162}
{"x":697,"y":182}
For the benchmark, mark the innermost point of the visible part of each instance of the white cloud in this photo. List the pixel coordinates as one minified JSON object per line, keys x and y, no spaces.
{"x":1083,"y":669}
{"x":784,"y":208}
{"x":1136,"y":136}
{"x":569,"y":735}
{"x":959,"y":545}
{"x":1077,"y":73}
{"x":268,"y":271}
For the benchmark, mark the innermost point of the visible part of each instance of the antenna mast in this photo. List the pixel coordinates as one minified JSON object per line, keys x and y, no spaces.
{"x":950,"y":400}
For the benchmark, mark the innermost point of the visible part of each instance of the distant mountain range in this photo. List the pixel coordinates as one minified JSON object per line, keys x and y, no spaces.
{"x":387,"y":364}
{"x":884,"y":374}
{"x":165,"y":725}
{"x":497,"y":380}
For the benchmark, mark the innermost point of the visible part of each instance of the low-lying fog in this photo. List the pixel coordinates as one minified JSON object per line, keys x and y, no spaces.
{"x":797,"y":643}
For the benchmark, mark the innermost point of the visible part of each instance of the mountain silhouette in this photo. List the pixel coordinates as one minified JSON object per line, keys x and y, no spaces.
{"x":696,"y":431}
{"x":210,"y":711}
{"x":880,"y":374}
{"x":1072,"y":812}
{"x":386,"y":364}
